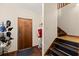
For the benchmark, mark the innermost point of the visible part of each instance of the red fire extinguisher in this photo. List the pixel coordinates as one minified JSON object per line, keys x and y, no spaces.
{"x":40,"y":33}
{"x":39,"y":37}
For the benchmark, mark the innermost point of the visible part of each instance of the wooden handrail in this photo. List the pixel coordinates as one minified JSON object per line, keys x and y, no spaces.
{"x":61,"y":5}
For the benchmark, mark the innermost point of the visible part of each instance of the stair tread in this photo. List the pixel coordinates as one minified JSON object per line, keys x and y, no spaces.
{"x":67,"y":47}
{"x":67,"y":42}
{"x":63,"y":52}
{"x":71,"y":46}
{"x":57,"y":52}
{"x":60,"y":52}
{"x":69,"y":38}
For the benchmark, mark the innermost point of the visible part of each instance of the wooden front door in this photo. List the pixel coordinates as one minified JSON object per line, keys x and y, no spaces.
{"x":24,"y":33}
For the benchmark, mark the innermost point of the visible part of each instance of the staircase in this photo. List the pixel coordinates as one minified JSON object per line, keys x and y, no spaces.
{"x":62,"y":47}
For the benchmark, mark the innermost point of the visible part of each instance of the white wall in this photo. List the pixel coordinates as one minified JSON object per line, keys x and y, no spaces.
{"x":12,"y":12}
{"x":50,"y":24}
{"x":68,"y":19}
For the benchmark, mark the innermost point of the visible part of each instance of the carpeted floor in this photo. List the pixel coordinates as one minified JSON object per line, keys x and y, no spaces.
{"x":33,"y":51}
{"x":25,"y":52}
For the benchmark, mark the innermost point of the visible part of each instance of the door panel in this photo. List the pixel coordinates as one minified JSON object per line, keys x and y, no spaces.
{"x":25,"y":33}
